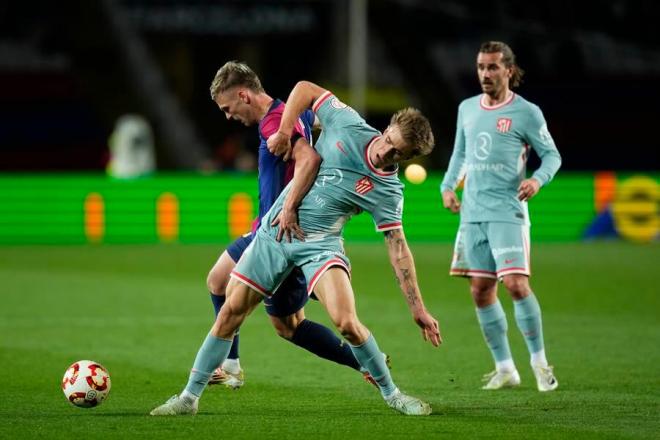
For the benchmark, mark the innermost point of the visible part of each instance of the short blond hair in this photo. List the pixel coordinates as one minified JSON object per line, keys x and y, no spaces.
{"x":233,"y":74}
{"x":415,"y":130}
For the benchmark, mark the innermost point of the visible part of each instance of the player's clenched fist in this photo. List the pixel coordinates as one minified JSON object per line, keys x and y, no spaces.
{"x":280,"y":145}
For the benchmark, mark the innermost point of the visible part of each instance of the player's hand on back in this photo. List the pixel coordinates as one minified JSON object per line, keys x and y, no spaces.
{"x":528,"y":188}
{"x":450,"y":201}
{"x":429,"y":326}
{"x":288,"y":221}
{"x":280,"y":145}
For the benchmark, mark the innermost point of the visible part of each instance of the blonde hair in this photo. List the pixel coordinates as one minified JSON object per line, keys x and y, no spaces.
{"x":233,"y":74}
{"x":508,"y":58}
{"x":415,"y":130}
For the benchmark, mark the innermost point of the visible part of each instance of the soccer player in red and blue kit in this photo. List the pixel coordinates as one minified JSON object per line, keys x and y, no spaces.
{"x":239,"y":94}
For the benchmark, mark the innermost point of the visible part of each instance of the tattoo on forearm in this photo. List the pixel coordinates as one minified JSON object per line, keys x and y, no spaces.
{"x":405,"y":282}
{"x":412,"y":296}
{"x":404,"y":275}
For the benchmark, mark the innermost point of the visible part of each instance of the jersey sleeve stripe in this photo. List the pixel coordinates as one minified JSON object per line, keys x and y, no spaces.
{"x":328,"y":264}
{"x":321,"y":99}
{"x":388,"y":226}
{"x":250,"y":283}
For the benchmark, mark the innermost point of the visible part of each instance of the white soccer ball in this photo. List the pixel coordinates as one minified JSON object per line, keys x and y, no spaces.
{"x":86,"y":384}
{"x":415,"y":173}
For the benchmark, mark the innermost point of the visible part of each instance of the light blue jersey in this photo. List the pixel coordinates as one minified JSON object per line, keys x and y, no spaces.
{"x":347,"y":182}
{"x":491,"y":151}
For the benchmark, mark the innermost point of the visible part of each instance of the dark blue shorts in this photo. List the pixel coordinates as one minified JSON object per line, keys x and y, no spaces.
{"x":290,"y":297}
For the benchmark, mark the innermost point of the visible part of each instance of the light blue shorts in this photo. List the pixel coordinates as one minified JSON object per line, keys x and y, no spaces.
{"x":491,"y":250}
{"x":266,"y":262}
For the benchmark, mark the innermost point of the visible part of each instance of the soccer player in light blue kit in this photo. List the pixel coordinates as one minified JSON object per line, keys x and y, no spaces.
{"x":359,"y":172}
{"x":238,"y":92}
{"x":493,"y":135}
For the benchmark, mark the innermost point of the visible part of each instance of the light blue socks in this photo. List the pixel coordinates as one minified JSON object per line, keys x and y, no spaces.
{"x":370,"y":357}
{"x":528,"y":318}
{"x":211,"y":354}
{"x":494,"y":327}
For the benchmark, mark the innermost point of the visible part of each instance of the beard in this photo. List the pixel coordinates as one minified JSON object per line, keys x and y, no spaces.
{"x":489,"y":88}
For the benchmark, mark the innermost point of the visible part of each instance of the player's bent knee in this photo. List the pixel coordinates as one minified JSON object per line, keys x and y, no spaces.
{"x":283,"y":328}
{"x":350,"y":328}
{"x":483,"y":293}
{"x":216,"y":285}
{"x":517,"y":285}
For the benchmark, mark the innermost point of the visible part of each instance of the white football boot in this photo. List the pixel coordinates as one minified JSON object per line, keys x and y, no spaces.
{"x":501,"y":379}
{"x":176,"y":406}
{"x":408,"y":405}
{"x":230,"y":380}
{"x":545,"y":378}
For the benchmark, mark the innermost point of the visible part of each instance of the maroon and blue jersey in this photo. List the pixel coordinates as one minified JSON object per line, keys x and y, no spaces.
{"x":274,"y":173}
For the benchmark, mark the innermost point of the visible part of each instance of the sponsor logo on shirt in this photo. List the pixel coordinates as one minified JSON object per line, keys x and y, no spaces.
{"x":503,"y":125}
{"x":496,"y":167}
{"x":483,"y":145}
{"x":364,"y":185}
{"x":329,"y":178}
{"x":319,"y":200}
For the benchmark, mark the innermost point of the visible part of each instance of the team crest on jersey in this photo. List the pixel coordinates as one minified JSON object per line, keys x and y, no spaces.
{"x":364,"y":185}
{"x":503,"y":125}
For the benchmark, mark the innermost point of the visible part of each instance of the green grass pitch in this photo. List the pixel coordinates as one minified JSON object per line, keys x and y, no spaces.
{"x":142,"y":311}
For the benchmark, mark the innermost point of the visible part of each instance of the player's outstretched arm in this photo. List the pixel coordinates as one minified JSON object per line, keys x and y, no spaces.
{"x":404,"y":267}
{"x":306,"y":168}
{"x":301,"y":97}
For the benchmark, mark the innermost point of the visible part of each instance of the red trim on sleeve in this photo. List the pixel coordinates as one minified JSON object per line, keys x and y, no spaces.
{"x":321,"y":100}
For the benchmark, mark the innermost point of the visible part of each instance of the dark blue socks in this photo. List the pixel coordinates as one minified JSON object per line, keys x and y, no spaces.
{"x":324,"y":343}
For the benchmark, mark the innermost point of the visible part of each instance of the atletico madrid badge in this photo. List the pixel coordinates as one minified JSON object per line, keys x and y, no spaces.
{"x":503,"y":125}
{"x":363,"y":185}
